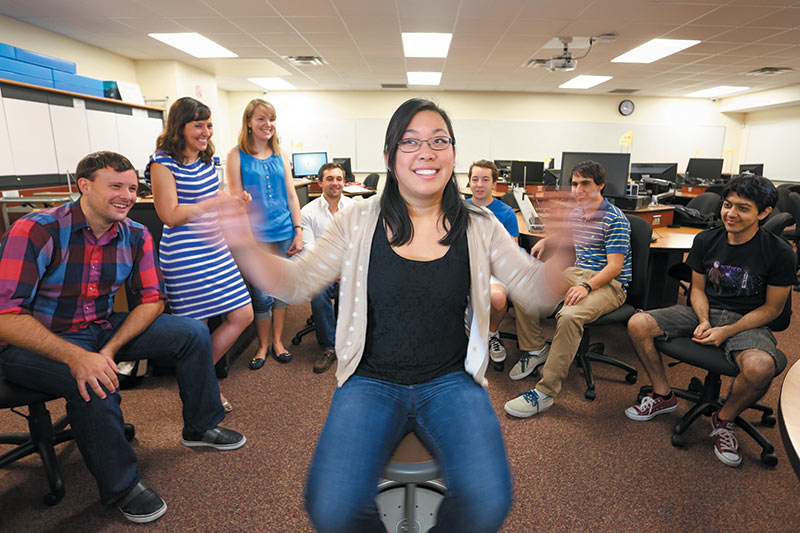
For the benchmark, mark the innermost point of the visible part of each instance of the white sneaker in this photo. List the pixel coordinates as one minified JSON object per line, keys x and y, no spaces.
{"x":528,"y":362}
{"x":528,"y":404}
{"x":497,"y":352}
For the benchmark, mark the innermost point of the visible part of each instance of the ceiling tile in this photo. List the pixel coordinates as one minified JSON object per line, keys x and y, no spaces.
{"x":734,"y":16}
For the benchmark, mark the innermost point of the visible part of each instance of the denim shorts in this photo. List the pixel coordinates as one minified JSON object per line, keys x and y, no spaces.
{"x":681,"y":321}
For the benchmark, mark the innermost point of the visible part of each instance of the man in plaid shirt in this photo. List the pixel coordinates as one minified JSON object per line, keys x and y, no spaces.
{"x":59,"y":271}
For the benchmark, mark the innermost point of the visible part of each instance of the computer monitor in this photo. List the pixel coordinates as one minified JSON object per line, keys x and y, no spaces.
{"x":662,"y":171}
{"x":348,"y":171}
{"x":756,"y":169}
{"x":617,"y":167}
{"x":707,"y":169}
{"x":503,"y":167}
{"x":527,"y":172}
{"x":551,"y":176}
{"x":307,"y":164}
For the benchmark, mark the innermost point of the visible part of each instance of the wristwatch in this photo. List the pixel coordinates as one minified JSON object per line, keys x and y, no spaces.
{"x":588,"y":287}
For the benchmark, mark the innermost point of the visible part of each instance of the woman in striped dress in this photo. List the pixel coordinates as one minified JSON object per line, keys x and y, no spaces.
{"x":201,"y":277}
{"x":258,"y":167}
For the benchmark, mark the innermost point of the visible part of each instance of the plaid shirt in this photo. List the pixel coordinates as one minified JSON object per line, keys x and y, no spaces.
{"x":54,"y":268}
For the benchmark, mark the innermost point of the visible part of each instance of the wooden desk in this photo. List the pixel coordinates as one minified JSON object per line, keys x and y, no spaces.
{"x":366,"y":192}
{"x":657,"y":215}
{"x":789,"y":415}
{"x":693,"y":190}
{"x":670,"y":246}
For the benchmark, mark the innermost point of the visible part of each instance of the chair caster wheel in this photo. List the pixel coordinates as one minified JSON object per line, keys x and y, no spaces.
{"x":631,"y":378}
{"x":769,"y":459}
{"x":768,"y":420}
{"x":296,"y":341}
{"x":590,"y":394}
{"x":130,"y":432}
{"x":499,"y":365}
{"x":679,"y":441}
{"x":50,"y":499}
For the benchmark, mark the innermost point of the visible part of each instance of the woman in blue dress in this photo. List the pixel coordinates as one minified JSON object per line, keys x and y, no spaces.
{"x":201,"y":277}
{"x":257,"y":166}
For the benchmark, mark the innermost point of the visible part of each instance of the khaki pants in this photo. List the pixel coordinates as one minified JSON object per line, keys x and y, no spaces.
{"x":569,"y":327}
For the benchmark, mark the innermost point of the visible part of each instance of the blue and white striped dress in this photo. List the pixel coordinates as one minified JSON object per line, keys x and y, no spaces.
{"x":200,"y":274}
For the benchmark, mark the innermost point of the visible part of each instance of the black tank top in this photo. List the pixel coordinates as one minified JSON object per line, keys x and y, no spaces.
{"x":415,"y":314}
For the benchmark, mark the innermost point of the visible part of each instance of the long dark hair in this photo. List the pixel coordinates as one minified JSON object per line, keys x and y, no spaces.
{"x":393,"y":208}
{"x":171,"y":140}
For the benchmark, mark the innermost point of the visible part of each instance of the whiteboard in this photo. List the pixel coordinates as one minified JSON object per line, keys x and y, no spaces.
{"x":32,"y":146}
{"x":102,"y":130}
{"x":71,"y":135}
{"x":337,"y":137}
{"x":137,"y":135}
{"x":778,"y":157}
{"x":6,"y":161}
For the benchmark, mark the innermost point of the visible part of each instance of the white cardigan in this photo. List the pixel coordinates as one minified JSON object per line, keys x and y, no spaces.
{"x":343,"y":253}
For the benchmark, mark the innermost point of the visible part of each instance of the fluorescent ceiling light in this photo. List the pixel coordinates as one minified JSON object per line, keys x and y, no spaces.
{"x":584,"y":82}
{"x":720,"y":90}
{"x":424,"y":78}
{"x":273,"y":84}
{"x":426,"y":44}
{"x":193,"y":44}
{"x":654,"y":50}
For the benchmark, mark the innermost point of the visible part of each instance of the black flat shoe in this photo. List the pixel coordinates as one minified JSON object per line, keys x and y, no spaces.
{"x":284,"y":357}
{"x":257,"y":362}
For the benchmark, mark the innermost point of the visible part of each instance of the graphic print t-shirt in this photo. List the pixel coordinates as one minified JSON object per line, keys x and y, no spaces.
{"x":737,"y":275}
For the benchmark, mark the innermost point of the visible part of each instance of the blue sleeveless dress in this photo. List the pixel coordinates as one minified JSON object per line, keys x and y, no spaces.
{"x":201,"y":277}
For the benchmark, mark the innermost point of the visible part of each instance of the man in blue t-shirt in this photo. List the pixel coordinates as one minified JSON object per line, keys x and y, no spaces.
{"x":741,"y":277}
{"x":602,"y":238}
{"x":482,"y":183}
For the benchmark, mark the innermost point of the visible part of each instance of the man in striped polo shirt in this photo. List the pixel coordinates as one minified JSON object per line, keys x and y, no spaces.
{"x":602,"y":238}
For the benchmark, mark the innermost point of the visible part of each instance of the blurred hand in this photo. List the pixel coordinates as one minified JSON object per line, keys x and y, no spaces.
{"x":538,"y":249}
{"x":233,"y":220}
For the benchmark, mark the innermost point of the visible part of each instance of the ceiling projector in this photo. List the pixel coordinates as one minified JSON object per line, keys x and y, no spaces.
{"x":563,"y":62}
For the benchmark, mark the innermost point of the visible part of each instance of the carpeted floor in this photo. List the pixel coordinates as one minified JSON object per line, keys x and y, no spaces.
{"x":582,"y":465}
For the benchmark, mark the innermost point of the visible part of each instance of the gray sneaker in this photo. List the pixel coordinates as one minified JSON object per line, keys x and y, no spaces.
{"x":497,"y":352}
{"x":528,"y":362}
{"x":528,"y":404}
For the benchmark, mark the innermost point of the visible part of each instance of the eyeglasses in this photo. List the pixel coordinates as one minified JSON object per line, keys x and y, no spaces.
{"x":436,"y":143}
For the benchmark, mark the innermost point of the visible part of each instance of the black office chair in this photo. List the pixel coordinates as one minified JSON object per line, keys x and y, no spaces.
{"x":793,"y":234}
{"x":641,"y":231}
{"x":777,"y":222}
{"x":310,"y":326}
{"x":784,"y":203}
{"x":706,"y":394}
{"x":371,"y":181}
{"x":708,"y":203}
{"x":42,"y":434}
{"x":42,"y":437}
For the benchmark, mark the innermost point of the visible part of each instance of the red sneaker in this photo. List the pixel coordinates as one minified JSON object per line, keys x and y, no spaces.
{"x":726,"y":447}
{"x":651,"y":406}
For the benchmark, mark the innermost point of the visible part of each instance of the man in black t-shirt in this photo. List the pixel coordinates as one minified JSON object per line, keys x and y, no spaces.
{"x":741,"y":277}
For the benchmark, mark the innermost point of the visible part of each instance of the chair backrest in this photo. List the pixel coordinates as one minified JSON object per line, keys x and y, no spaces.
{"x":641,"y":232}
{"x":708,"y":203}
{"x":716,"y":189}
{"x":371,"y":181}
{"x":794,"y":205}
{"x":784,"y":202}
{"x":777,"y":222}
{"x":782,"y":322}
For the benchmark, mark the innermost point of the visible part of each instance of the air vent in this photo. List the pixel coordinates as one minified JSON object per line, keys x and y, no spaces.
{"x":394,"y":86}
{"x":768,"y":71}
{"x":623,"y":91}
{"x":305,"y":61}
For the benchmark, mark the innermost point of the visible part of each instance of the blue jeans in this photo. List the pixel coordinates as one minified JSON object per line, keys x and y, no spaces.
{"x":451,"y":415}
{"x":324,"y":317}
{"x":98,"y":425}
{"x":263,"y":303}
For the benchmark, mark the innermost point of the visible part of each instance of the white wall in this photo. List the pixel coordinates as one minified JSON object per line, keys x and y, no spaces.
{"x":771,"y":137}
{"x":557,"y":120}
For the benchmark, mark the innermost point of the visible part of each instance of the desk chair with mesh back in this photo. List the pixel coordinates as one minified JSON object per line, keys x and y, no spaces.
{"x":706,"y":394}
{"x":409,"y":495}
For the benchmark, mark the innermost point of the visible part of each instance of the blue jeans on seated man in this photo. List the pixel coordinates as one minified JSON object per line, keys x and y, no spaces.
{"x":451,"y":415}
{"x":98,"y":425}
{"x":324,"y":317}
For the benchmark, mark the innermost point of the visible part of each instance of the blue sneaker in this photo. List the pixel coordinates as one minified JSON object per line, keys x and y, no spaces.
{"x":529,"y":403}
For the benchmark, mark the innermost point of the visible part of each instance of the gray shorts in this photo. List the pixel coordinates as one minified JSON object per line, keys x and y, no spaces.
{"x":680,"y":321}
